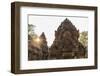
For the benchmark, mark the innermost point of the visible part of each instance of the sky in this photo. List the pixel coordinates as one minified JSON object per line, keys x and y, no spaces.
{"x":48,"y":24}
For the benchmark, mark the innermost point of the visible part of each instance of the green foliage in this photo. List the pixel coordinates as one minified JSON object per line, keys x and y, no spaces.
{"x":31,"y":31}
{"x":84,"y":38}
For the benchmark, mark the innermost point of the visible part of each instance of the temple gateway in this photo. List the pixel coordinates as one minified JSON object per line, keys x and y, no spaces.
{"x":65,"y":45}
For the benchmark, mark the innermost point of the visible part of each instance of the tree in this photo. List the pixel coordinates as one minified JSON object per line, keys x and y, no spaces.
{"x":31,"y":32}
{"x":31,"y":29}
{"x":84,"y":38}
